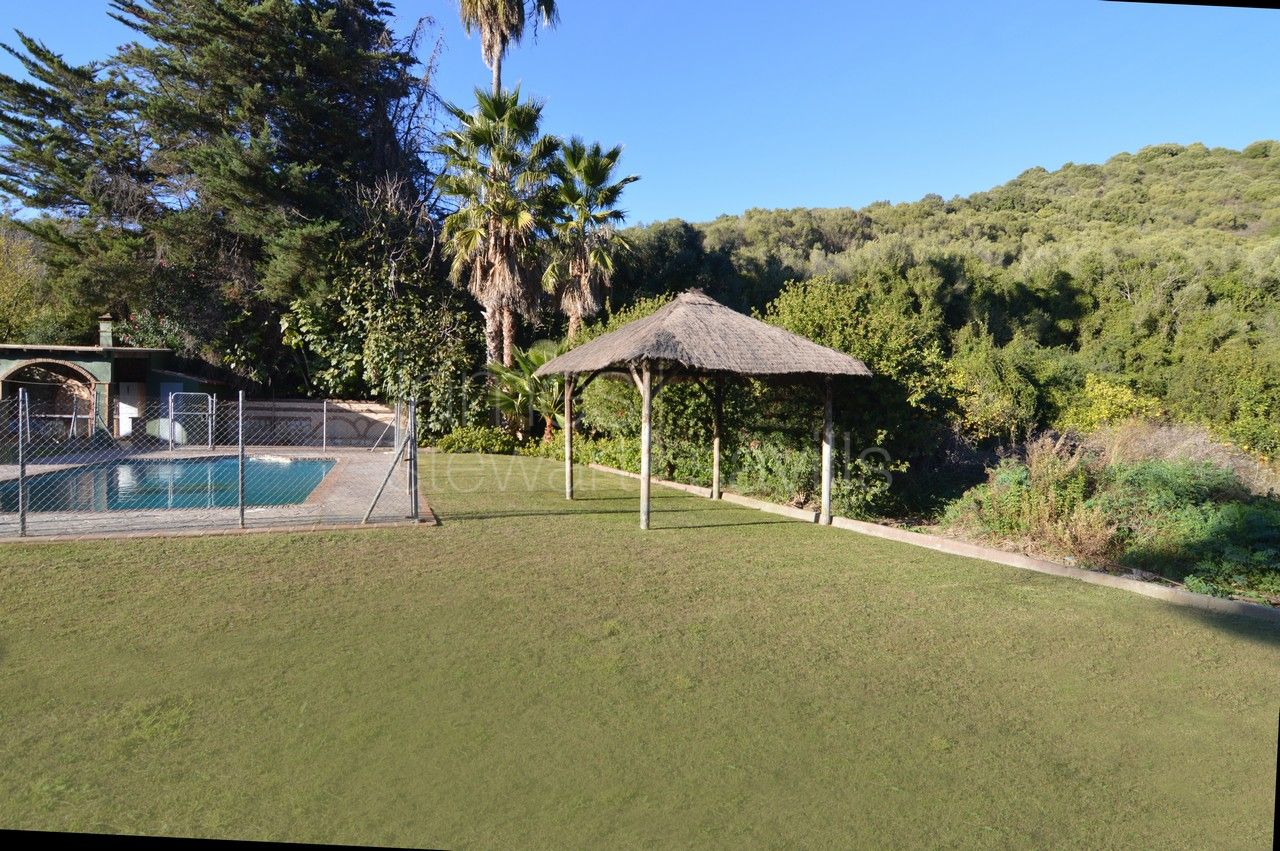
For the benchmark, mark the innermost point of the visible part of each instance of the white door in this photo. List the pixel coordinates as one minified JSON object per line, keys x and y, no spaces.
{"x":170,"y":431}
{"x":129,"y":401}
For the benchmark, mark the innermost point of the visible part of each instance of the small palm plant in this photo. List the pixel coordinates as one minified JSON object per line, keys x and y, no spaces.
{"x":584,"y":236}
{"x":522,"y":397}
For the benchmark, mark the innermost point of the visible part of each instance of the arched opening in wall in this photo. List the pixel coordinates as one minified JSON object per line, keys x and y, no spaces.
{"x":60,"y":396}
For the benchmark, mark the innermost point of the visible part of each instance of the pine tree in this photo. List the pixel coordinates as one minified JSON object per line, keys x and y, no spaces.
{"x":209,"y":172}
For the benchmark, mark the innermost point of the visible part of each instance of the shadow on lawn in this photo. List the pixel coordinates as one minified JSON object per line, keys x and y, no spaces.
{"x":567,"y":511}
{"x":662,"y":506}
{"x":1255,"y":630}
{"x":717,"y":525}
{"x":657,"y":526}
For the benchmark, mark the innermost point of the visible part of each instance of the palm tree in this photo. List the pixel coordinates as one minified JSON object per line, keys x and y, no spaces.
{"x":501,"y":24}
{"x":585,"y":238}
{"x":521,"y":397}
{"x":499,"y":168}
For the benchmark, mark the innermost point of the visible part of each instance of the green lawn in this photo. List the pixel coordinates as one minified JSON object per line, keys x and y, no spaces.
{"x":539,"y":674}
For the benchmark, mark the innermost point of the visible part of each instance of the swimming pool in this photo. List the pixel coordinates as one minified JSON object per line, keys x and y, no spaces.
{"x":134,"y":485}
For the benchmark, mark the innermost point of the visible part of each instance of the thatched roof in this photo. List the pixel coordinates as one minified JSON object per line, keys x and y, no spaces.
{"x":701,"y":334}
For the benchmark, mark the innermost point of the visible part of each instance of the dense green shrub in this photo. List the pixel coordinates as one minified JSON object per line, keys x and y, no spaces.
{"x":891,"y":322}
{"x":1190,"y":521}
{"x":1102,"y":401}
{"x":767,"y":469}
{"x":683,"y":460}
{"x":1151,"y":487}
{"x":486,"y":439}
{"x":622,"y":453}
{"x":862,"y":491}
{"x":1256,"y":434}
{"x":553,"y":449}
{"x":523,"y":398}
{"x":776,"y":472}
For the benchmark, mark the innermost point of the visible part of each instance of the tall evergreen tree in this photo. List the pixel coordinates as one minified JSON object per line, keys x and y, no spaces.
{"x":209,"y":172}
{"x":74,"y":150}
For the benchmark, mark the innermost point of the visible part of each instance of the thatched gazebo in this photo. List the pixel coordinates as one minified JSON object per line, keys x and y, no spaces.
{"x":696,"y":338}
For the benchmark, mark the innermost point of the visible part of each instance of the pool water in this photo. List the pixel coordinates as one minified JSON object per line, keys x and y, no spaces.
{"x":135,"y":485}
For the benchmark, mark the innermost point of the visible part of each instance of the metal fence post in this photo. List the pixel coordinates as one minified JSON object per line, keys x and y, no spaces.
{"x":212,"y":406}
{"x":240,"y":456}
{"x":22,"y":465}
{"x":170,"y":422}
{"x":324,"y":425}
{"x":395,"y":462}
{"x":412,"y":437}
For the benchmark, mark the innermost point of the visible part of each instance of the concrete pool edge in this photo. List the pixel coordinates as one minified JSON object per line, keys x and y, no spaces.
{"x":428,"y":519}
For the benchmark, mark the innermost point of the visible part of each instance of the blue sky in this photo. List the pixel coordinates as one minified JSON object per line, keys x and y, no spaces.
{"x":725,"y":105}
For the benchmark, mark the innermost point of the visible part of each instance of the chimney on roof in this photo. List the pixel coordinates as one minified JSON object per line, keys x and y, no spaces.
{"x":105,"y":338}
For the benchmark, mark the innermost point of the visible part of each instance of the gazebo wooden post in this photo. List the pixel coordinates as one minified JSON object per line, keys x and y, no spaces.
{"x":646,"y":439}
{"x":828,"y":438}
{"x":568,"y":435}
{"x":717,"y":415}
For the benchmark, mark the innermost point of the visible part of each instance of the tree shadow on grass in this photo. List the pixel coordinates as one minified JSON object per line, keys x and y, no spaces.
{"x":1256,"y":630}
{"x":719,"y":525}
{"x":631,"y":496}
{"x":555,"y":512}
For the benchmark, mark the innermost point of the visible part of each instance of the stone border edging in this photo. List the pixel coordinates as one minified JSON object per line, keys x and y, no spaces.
{"x":951,"y":546}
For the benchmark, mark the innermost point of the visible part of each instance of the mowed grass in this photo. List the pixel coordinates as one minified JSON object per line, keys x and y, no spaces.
{"x":541,"y":674}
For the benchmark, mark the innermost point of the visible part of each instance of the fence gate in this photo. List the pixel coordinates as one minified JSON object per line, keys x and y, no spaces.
{"x":192,"y":419}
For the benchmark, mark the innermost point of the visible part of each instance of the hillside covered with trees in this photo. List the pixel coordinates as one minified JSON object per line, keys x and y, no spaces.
{"x":1148,"y":284}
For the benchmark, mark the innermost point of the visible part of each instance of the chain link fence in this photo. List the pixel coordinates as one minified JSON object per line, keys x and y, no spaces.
{"x":193,"y":461}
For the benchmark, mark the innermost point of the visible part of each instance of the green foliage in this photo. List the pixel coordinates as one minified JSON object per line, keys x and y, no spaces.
{"x":486,"y":439}
{"x":501,"y":23}
{"x":681,"y":459}
{"x":881,"y":320}
{"x":387,"y":325}
{"x":621,"y":453}
{"x":27,"y":312}
{"x":1102,"y":402}
{"x":150,"y":329}
{"x":522,"y":397}
{"x":499,"y":168}
{"x":208,"y":171}
{"x":862,"y":489}
{"x":776,"y":472}
{"x":584,"y":233}
{"x":1186,"y":520}
{"x":1257,"y":434}
{"x":1158,"y":271}
{"x":996,"y":397}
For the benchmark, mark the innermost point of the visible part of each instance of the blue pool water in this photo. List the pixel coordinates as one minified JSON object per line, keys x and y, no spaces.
{"x":181,"y":483}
